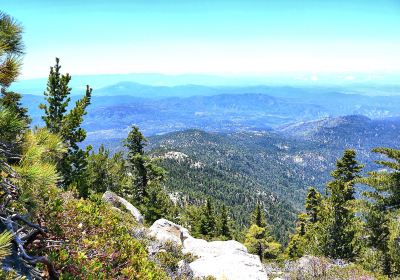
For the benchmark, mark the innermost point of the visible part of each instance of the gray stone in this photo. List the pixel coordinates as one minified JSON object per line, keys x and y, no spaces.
{"x":122,"y":204}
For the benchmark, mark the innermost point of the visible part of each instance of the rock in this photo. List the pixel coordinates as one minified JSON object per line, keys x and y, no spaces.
{"x":310,"y":265}
{"x":228,"y":260}
{"x":184,"y":271}
{"x":119,"y":202}
{"x":164,"y":230}
{"x":223,"y":260}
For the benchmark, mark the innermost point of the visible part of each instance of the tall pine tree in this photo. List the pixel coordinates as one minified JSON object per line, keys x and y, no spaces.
{"x":381,"y":206}
{"x":67,"y":124}
{"x":258,"y":216}
{"x":207,"y":219}
{"x":339,"y":220}
{"x":225,"y":230}
{"x":135,"y":144}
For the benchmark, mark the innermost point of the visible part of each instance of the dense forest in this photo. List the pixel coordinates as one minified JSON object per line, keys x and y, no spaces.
{"x":55,"y":224}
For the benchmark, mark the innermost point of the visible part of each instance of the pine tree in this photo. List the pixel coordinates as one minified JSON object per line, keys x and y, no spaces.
{"x":57,"y":97}
{"x":135,"y":144}
{"x":296,"y":246}
{"x":313,"y":204}
{"x":11,"y":49}
{"x":12,"y":128}
{"x":258,"y":216}
{"x":158,"y":203}
{"x":259,"y":241}
{"x":207,"y":219}
{"x":380,"y":209}
{"x":67,"y":125}
{"x":256,"y":241}
{"x":98,"y":171}
{"x":12,"y":101}
{"x":347,"y":169}
{"x":225,"y":230}
{"x":339,"y":220}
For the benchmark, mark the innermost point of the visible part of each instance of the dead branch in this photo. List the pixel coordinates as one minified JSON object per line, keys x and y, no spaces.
{"x":30,"y":259}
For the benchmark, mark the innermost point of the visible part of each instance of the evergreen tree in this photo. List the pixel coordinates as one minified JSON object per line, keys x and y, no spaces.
{"x":225,"y":230}
{"x":207,"y":219}
{"x":339,"y":218}
{"x":144,"y":169}
{"x":11,"y":49}
{"x":347,"y":169}
{"x":135,"y":144}
{"x":296,"y":246}
{"x":313,"y":204}
{"x":12,"y":128}
{"x":158,"y":203}
{"x":258,"y":216}
{"x":12,"y":101}
{"x":67,"y":125}
{"x":381,"y":206}
{"x":98,"y":175}
{"x":256,"y":241}
{"x":259,"y":241}
{"x":11,"y":137}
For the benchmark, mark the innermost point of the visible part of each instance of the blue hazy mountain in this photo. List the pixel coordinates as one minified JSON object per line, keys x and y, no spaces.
{"x":220,"y":109}
{"x":364,"y":83}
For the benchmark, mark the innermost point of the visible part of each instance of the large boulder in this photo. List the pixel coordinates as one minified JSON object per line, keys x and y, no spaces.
{"x":121,"y":204}
{"x":228,"y":260}
{"x":223,"y":260}
{"x":164,"y":230}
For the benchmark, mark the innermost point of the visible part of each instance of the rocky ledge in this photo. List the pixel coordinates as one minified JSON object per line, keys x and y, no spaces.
{"x":220,"y":259}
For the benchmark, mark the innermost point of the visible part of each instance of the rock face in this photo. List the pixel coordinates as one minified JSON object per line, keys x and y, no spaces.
{"x":122,"y":204}
{"x":227,"y":260}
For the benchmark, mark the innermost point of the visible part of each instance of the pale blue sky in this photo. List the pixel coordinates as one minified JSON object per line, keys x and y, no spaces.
{"x":214,"y":37}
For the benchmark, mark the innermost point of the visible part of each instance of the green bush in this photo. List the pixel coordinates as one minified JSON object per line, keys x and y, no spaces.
{"x":97,"y":243}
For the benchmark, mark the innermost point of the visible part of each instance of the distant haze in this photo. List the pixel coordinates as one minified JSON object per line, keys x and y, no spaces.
{"x":212,"y":36}
{"x":132,"y":84}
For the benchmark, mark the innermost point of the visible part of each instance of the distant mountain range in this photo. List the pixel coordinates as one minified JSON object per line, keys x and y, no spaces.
{"x":383,"y":83}
{"x":224,"y":109}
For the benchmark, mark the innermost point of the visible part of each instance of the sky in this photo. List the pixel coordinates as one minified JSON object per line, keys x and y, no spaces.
{"x":208,"y":37}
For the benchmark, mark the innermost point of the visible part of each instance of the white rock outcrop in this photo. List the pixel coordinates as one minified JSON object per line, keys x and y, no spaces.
{"x":228,"y":260}
{"x":117,"y":201}
{"x":164,"y":230}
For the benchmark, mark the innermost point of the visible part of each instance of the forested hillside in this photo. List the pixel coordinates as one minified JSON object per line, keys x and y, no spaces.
{"x":278,"y":168}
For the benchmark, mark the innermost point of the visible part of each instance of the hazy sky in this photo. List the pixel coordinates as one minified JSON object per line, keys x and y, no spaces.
{"x":214,"y":37}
